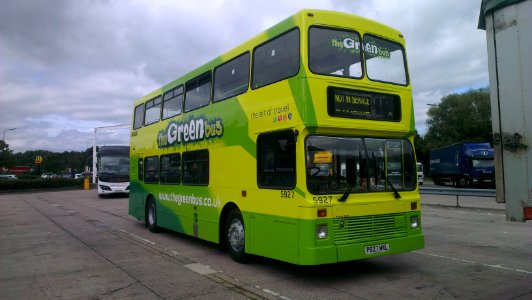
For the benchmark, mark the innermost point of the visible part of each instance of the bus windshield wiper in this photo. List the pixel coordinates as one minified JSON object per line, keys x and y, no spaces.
{"x":395,"y":192}
{"x":352,"y":185}
{"x":348,"y":191}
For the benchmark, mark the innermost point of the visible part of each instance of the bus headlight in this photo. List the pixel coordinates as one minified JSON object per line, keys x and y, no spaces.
{"x":414,"y":222}
{"x":322,"y":232}
{"x":104,"y":187}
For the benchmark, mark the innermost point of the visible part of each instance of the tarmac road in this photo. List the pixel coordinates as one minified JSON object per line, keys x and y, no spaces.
{"x":71,"y":244}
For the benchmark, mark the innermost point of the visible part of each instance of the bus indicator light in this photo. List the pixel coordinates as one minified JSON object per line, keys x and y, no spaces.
{"x":322,"y":213}
{"x":413,"y":206}
{"x":244,"y":193}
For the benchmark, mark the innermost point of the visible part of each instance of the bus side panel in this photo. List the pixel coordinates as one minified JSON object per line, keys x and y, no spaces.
{"x":207,"y":215}
{"x":173,"y":210}
{"x":208,"y":231}
{"x":189,"y":210}
{"x":273,"y":237}
{"x":173,"y":221}
{"x":136,"y":200}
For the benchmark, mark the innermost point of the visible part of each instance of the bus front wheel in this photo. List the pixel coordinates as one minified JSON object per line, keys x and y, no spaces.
{"x":151,"y":216}
{"x":235,"y":236}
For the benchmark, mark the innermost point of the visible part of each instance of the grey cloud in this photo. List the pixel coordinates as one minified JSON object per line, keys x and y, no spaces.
{"x":87,"y":61}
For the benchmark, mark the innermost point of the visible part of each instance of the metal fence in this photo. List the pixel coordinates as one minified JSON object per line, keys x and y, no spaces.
{"x":458,"y":192}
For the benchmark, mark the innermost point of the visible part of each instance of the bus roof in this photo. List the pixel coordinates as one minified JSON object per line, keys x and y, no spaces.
{"x":304,"y":18}
{"x":113,"y":150}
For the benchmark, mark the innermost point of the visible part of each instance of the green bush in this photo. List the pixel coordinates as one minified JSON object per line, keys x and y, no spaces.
{"x":40,"y":183}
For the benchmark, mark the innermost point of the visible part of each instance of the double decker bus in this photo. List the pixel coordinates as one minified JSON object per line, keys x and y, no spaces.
{"x":296,"y":145}
{"x":113,"y":170}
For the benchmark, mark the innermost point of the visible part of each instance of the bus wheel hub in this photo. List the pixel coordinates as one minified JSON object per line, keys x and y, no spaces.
{"x":236,"y":235}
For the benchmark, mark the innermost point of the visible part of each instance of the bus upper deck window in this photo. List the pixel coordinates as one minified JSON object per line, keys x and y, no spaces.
{"x":335,"y":52}
{"x":138,"y":117}
{"x":385,"y":60}
{"x":153,"y":111}
{"x":276,"y":60}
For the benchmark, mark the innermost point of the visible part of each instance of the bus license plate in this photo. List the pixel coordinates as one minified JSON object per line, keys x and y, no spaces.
{"x":377,"y":249}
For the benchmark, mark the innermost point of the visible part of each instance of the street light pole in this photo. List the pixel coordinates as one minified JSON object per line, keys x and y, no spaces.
{"x":94,"y":157}
{"x":4,"y":136}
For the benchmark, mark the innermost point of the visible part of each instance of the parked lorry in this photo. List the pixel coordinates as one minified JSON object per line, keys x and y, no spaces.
{"x":464,"y":164}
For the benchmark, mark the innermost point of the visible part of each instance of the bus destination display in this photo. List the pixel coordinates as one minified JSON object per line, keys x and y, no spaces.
{"x":362,"y":105}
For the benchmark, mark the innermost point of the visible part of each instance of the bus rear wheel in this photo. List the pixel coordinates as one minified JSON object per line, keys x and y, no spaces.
{"x":235,"y":236}
{"x":151,"y":216}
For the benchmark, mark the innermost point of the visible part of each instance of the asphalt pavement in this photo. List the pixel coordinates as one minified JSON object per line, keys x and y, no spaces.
{"x":54,"y":251}
{"x":50,"y":251}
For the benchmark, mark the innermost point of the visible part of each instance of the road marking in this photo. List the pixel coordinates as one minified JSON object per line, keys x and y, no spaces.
{"x":205,"y":270}
{"x":200,"y":269}
{"x":468,"y":210}
{"x":137,"y":237}
{"x":267,"y":291}
{"x":476,"y":263}
{"x":32,"y":234}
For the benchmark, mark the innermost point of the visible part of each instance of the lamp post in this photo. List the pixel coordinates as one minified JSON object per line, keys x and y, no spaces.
{"x":4,"y":136}
{"x":4,"y":140}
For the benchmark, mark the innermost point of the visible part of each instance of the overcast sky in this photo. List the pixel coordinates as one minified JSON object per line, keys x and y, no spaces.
{"x":67,"y":67}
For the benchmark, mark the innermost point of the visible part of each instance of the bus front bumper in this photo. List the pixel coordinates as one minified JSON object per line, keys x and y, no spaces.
{"x":106,"y":188}
{"x":362,"y":250}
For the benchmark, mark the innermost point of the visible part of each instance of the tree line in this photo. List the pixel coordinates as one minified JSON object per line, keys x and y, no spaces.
{"x":458,"y":117}
{"x":53,"y":162}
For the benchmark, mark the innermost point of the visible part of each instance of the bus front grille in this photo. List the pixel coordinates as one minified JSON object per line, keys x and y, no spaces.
{"x":364,"y":228}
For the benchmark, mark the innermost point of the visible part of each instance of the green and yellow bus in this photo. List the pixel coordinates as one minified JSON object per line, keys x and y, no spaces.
{"x":296,"y":145}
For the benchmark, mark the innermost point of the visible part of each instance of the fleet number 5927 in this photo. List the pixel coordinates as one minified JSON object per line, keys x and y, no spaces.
{"x":322,"y":199}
